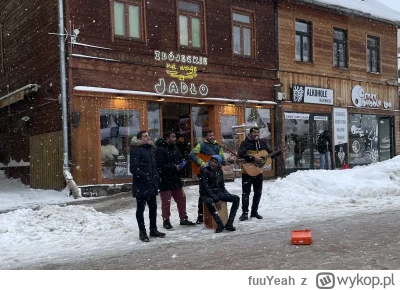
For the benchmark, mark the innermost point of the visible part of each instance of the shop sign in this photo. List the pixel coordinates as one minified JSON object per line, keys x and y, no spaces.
{"x":321,"y":118}
{"x":183,"y":68}
{"x":297,"y":116}
{"x":340,"y":135}
{"x":361,"y":99}
{"x":311,"y":95}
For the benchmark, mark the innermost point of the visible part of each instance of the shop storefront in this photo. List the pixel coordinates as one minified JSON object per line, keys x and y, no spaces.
{"x":110,"y":118}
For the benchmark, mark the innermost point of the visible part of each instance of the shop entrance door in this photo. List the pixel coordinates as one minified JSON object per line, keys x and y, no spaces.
{"x":385,"y":133}
{"x":304,"y":129}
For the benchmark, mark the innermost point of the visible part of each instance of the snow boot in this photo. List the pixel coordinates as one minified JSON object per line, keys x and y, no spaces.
{"x":218,"y":221}
{"x":244,"y":216}
{"x":143,"y":236}
{"x":229,"y":227}
{"x":167,"y":225}
{"x":186,"y":222}
{"x":156,"y":234}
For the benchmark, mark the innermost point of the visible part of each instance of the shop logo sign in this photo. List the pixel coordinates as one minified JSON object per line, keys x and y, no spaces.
{"x":181,"y":67}
{"x":311,"y":95}
{"x":361,"y":99}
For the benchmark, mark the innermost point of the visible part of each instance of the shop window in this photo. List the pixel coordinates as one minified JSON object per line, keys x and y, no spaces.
{"x":153,"y":121}
{"x":200,"y":123}
{"x":340,"y":48}
{"x":117,"y":127}
{"x":242,"y":33}
{"x":128,"y":18}
{"x":226,"y":131}
{"x":190,"y":24}
{"x":303,"y":41}
{"x":363,"y":139}
{"x":373,"y":54}
{"x":260,"y":118}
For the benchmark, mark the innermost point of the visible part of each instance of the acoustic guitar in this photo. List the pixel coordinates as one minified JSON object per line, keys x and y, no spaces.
{"x":254,"y":169}
{"x":195,"y":166}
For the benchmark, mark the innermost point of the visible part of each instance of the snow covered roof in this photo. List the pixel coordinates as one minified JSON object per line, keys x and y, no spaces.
{"x":372,"y":9}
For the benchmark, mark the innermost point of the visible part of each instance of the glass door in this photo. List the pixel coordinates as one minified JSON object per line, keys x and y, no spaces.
{"x":385,"y":133}
{"x":321,"y":122}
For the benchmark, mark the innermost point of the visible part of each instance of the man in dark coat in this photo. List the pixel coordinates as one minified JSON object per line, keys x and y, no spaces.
{"x":252,"y":143}
{"x":208,"y":147}
{"x":213,"y":192}
{"x":169,"y":164}
{"x":324,"y":148}
{"x":145,"y":183}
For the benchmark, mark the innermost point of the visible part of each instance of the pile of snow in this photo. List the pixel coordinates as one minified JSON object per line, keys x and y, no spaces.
{"x":55,"y":234}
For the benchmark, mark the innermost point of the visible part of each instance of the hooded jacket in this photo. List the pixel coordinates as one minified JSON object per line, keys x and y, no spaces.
{"x":212,"y":180}
{"x":167,"y":157}
{"x":324,"y":142}
{"x":253,"y":145}
{"x":143,"y":168}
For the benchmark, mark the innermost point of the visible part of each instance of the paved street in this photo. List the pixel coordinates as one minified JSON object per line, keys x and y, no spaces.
{"x":364,"y":241}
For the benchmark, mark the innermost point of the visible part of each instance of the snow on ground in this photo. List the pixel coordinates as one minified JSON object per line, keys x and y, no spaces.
{"x":57,"y":234}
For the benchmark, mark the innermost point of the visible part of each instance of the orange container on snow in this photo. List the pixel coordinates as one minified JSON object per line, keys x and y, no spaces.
{"x":301,"y":237}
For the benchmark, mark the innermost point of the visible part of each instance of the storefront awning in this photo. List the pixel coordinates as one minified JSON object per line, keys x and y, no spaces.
{"x":18,"y":95}
{"x":143,"y":93}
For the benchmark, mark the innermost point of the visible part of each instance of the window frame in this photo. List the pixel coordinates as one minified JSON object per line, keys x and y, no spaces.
{"x":202,"y":17}
{"x":309,"y":34}
{"x":251,"y":26}
{"x":378,"y":50}
{"x":142,"y":30}
{"x":346,"y":48}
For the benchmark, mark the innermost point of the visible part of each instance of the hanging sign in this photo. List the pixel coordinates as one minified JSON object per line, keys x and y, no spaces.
{"x":361,"y":99}
{"x":183,"y":68}
{"x":311,"y":95}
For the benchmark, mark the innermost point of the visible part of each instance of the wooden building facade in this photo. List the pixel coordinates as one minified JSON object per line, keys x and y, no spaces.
{"x":338,"y":73}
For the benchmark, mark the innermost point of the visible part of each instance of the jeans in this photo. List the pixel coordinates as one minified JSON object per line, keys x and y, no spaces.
{"x":227,"y":197}
{"x":257,"y":182}
{"x":325,"y":160}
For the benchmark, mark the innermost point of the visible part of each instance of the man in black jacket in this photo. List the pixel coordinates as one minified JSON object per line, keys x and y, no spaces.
{"x":324,"y":149}
{"x":213,"y":192}
{"x":145,"y":183}
{"x":169,"y":164}
{"x":252,"y":143}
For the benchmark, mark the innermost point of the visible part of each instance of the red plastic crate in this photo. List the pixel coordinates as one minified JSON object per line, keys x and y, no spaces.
{"x":301,"y":237}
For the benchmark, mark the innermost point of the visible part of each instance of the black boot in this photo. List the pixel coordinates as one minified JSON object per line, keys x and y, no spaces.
{"x":244,"y":216}
{"x":255,"y":214}
{"x":229,"y":227}
{"x":186,"y":222}
{"x":167,"y":225}
{"x":143,"y":236}
{"x":200,"y":219}
{"x":156,"y":234}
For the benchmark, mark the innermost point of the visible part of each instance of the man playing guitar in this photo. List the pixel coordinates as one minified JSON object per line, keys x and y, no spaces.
{"x":252,"y":143}
{"x":199,"y":156}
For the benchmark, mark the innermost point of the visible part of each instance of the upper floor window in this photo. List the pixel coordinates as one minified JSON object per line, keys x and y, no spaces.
{"x":303,"y":41}
{"x":190,"y":24}
{"x":340,"y":48}
{"x":242,"y":32}
{"x":373,"y":57}
{"x":128,"y":19}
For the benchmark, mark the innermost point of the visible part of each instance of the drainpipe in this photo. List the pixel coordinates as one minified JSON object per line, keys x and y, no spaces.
{"x":76,"y":192}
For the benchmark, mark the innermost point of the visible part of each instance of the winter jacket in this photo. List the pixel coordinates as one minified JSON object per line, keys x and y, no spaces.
{"x":252,"y":145}
{"x":208,"y":149}
{"x":143,"y":168}
{"x":212,"y":182}
{"x":324,"y":143}
{"x":167,"y":157}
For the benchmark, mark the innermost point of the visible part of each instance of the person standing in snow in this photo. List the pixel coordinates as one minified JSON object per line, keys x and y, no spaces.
{"x":324,"y":149}
{"x":145,"y":183}
{"x":213,"y":192}
{"x":208,"y":147}
{"x":252,"y":143}
{"x":169,"y":164}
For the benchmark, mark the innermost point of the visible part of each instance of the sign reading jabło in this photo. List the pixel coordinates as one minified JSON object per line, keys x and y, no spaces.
{"x":183,"y":68}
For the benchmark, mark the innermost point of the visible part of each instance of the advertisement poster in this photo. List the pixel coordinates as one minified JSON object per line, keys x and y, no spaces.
{"x":340,"y":136}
